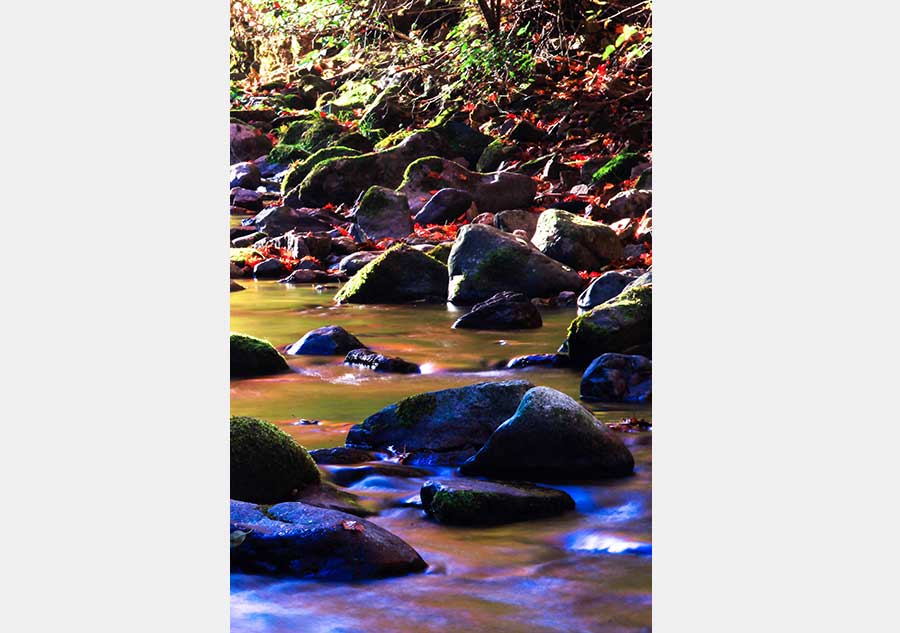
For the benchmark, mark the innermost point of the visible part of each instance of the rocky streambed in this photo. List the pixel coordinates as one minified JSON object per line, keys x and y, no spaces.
{"x":576,"y":555}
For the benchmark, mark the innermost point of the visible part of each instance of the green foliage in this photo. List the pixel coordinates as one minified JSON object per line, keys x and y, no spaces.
{"x":505,"y":56}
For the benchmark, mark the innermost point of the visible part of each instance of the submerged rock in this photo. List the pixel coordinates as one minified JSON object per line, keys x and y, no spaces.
{"x":382,"y":213}
{"x":441,"y":421}
{"x":473,"y":502}
{"x":245,"y":175}
{"x":401,"y":274}
{"x":618,"y":378}
{"x":614,"y":326}
{"x":491,"y":192}
{"x":576,"y":241}
{"x":325,"y":341}
{"x":300,"y":540}
{"x":550,"y":438}
{"x":378,"y":362}
{"x":503,"y":311}
{"x":251,"y":356}
{"x":485,"y":261}
{"x":350,"y":475}
{"x":341,"y":455}
{"x":267,"y":465}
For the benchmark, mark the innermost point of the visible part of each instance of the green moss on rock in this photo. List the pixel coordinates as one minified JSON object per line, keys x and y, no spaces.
{"x":618,"y":169}
{"x":412,"y":409}
{"x":614,"y":326}
{"x":286,"y":154}
{"x":300,"y":171}
{"x":267,"y":465}
{"x":398,"y":275}
{"x":393,"y":139}
{"x":312,"y":133}
{"x":251,"y":356}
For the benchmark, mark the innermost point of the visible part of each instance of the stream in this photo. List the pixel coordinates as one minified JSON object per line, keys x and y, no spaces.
{"x":585,"y":571}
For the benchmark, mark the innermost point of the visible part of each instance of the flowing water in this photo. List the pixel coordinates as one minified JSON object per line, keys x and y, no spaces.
{"x":585,"y":571}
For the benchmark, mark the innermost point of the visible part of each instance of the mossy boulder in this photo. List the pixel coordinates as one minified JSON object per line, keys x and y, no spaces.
{"x":382,"y":213}
{"x":400,"y":275}
{"x":485,"y":260}
{"x":576,"y":241}
{"x":312,"y":133}
{"x":341,"y":180}
{"x":299,"y":171}
{"x":615,"y":326}
{"x":283,"y":154}
{"x":605,"y":287}
{"x":491,"y":192}
{"x":472,"y":502}
{"x":354,"y":94}
{"x":551,"y":437}
{"x":385,"y":112}
{"x":617,"y":169}
{"x":251,"y":356}
{"x":393,"y":139}
{"x":495,"y":153}
{"x":441,"y":252}
{"x":457,"y":420}
{"x":267,"y":465}
{"x":304,"y":541}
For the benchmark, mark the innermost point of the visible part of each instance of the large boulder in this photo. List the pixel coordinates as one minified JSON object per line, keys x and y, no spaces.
{"x":330,"y":340}
{"x":382,"y":213}
{"x":400,"y":275}
{"x":576,"y":241}
{"x":503,"y":311}
{"x":267,"y":465}
{"x":444,"y":206}
{"x":247,"y":142}
{"x":606,"y":286}
{"x":342,"y":179}
{"x":301,"y":540}
{"x":251,"y":356}
{"x":551,"y":438}
{"x":473,"y":502}
{"x":312,"y":133}
{"x":615,"y":326}
{"x":485,"y":260}
{"x":300,"y":171}
{"x":450,"y":420}
{"x":491,"y":192}
{"x":618,"y":378}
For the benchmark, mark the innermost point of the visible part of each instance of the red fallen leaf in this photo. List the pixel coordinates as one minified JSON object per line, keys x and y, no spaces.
{"x":433,"y":174}
{"x":468,"y":107}
{"x":433,"y":191}
{"x":492,"y":97}
{"x":328,"y":207}
{"x":353,"y":526}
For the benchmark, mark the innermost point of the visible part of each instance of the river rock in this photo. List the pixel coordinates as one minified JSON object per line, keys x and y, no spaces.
{"x":444,"y":206}
{"x":267,"y":465}
{"x":246,"y":199}
{"x":549,"y":438}
{"x":458,"y":419}
{"x":379,"y":362}
{"x":247,"y":142}
{"x":526,"y":132}
{"x":248,"y":240}
{"x":401,"y":274}
{"x":485,"y":260}
{"x":627,"y":204}
{"x":474,"y":502}
{"x":606,"y":286}
{"x":325,"y":341}
{"x":304,"y":541}
{"x":617,"y":169}
{"x":251,"y":356}
{"x":495,"y":153}
{"x":341,"y":455}
{"x":341,"y":180}
{"x":463,"y":140}
{"x":517,"y":220}
{"x":235,"y":286}
{"x":307,"y":276}
{"x":245,"y":175}
{"x":503,"y":311}
{"x":576,"y":241}
{"x":312,"y":133}
{"x":356,"y":261}
{"x":278,"y":220}
{"x":617,"y":378}
{"x":270,"y":268}
{"x":491,"y":192}
{"x":614,"y":326}
{"x":556,"y":360}
{"x":382,"y":213}
{"x":300,"y":171}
